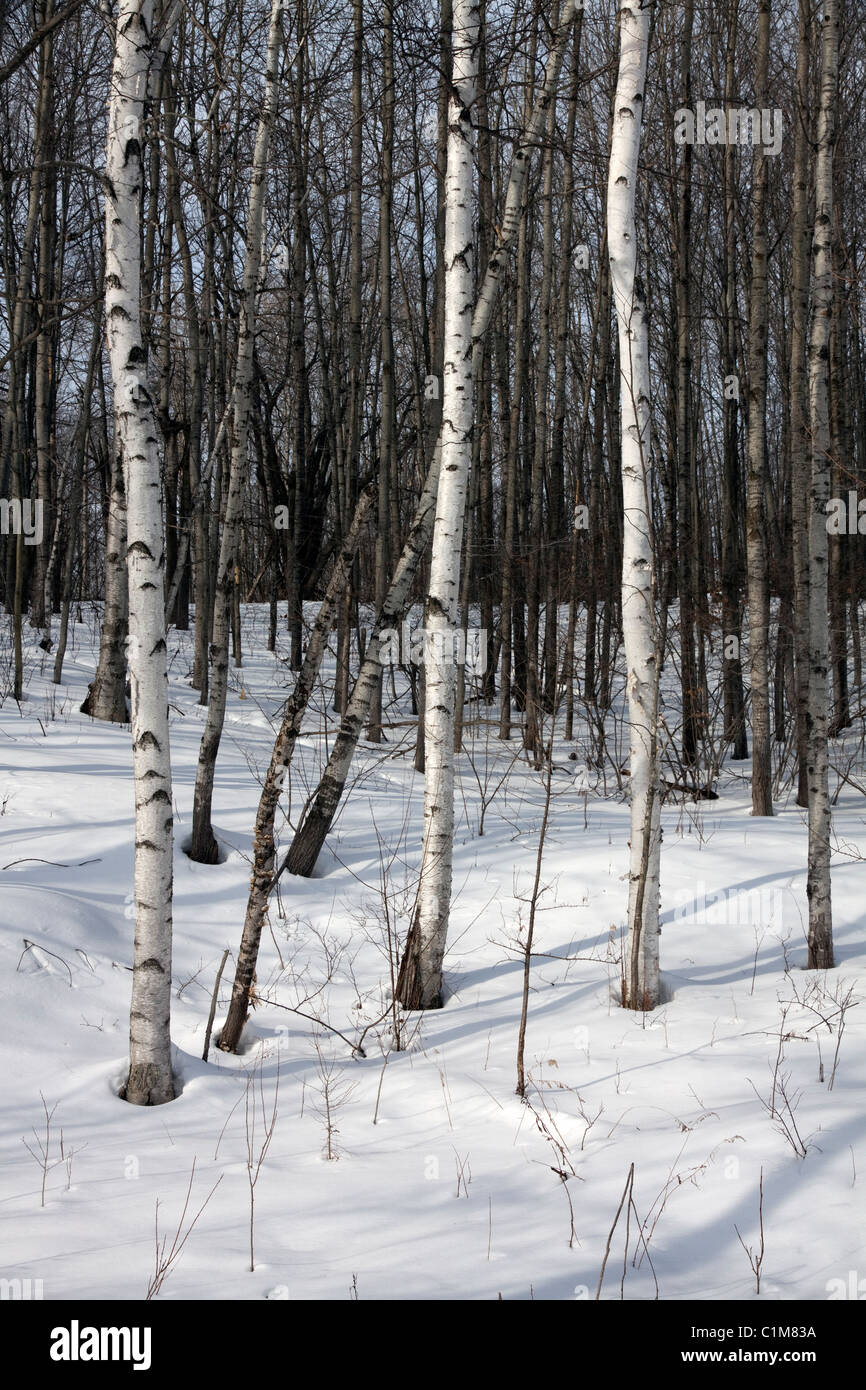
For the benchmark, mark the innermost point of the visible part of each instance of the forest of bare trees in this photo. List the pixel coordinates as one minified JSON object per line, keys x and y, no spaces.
{"x":546,"y":319}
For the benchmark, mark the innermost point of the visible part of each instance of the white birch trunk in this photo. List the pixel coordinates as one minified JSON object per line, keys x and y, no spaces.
{"x":150,"y":1078}
{"x":818,"y":879}
{"x":434,"y":895}
{"x":641,"y":966}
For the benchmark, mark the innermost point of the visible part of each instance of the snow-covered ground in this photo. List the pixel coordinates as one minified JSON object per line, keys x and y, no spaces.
{"x":442,"y":1184}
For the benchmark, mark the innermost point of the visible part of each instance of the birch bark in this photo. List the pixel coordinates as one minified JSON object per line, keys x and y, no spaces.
{"x":640,"y":975}
{"x":150,"y":1078}
{"x":421,"y":975}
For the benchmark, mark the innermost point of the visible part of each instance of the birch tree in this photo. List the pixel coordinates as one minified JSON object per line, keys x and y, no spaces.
{"x":818,"y":878}
{"x":150,"y":1078}
{"x":420,"y":983}
{"x":640,"y":974}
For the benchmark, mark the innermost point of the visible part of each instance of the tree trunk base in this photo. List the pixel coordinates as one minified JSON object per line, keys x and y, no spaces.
{"x":112,"y":711}
{"x":236,"y":1021}
{"x":203,"y":848}
{"x":307,"y":844}
{"x":821,"y":957}
{"x":410,"y":988}
{"x":148,"y":1084}
{"x":231,"y":1034}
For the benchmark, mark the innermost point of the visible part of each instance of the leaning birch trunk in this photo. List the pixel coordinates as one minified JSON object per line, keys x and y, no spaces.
{"x":641,"y":967}
{"x":319,"y":816}
{"x":818,"y":879}
{"x":264,"y":876}
{"x":204,"y":849}
{"x":420,"y":982}
{"x":317,"y":820}
{"x":150,"y":1078}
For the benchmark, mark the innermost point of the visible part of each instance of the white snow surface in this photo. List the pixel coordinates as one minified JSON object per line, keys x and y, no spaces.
{"x":444,"y":1184}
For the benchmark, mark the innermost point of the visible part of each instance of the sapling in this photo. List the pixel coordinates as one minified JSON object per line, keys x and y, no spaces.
{"x":166,"y":1256}
{"x":334,"y":1092}
{"x":42,"y":1156}
{"x":259,"y":1125}
{"x":756,"y":1258}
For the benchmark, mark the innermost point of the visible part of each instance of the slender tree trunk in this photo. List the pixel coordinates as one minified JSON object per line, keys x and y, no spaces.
{"x":800,"y":454}
{"x":839,"y":552}
{"x":46,"y":462}
{"x":106,"y":694}
{"x":386,"y":429}
{"x":484,"y":389}
{"x":533,"y":715}
{"x":640,"y":975}
{"x":420,"y":982}
{"x":756,"y":516}
{"x":686,"y":521}
{"x":509,"y":556}
{"x":204,"y":849}
{"x":818,"y":879}
{"x":79,"y":459}
{"x":150,"y":1077}
{"x":264,"y":851}
{"x":344,"y":631}
{"x":560,"y":372}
